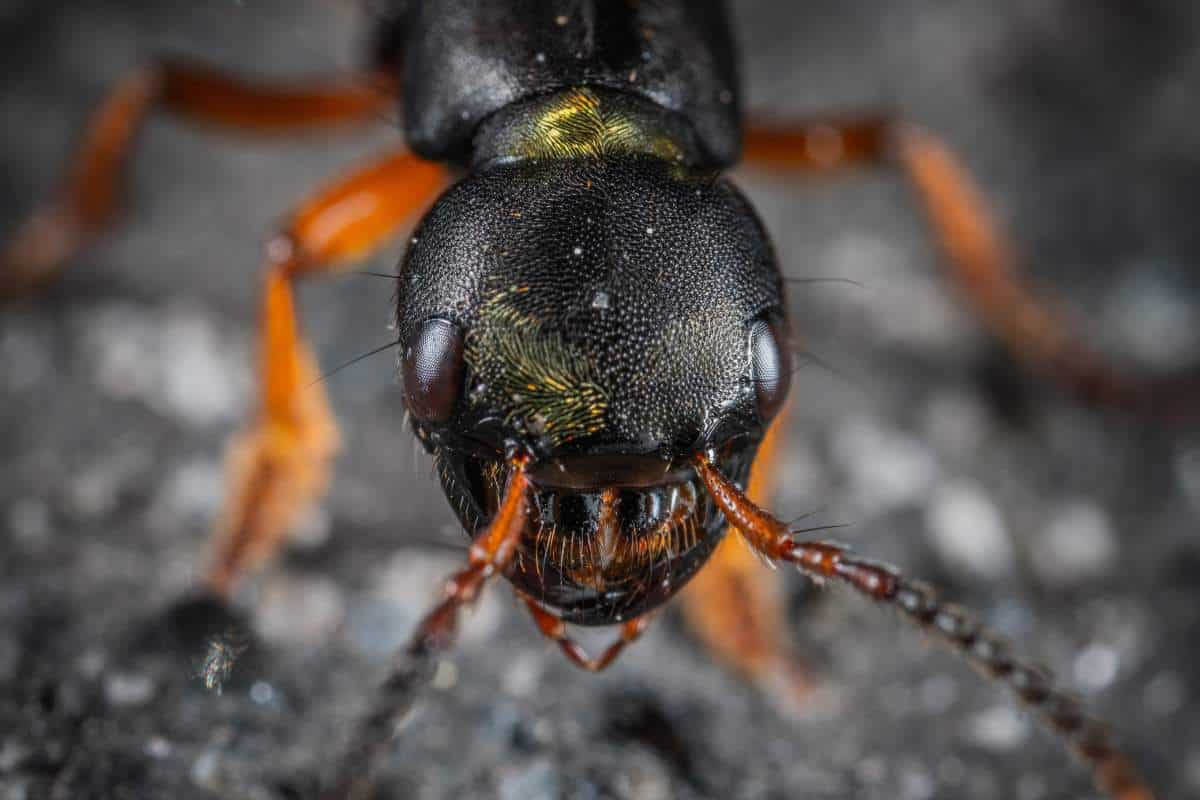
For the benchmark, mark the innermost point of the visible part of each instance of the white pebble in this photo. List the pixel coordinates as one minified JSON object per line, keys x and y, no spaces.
{"x":1155,"y":320}
{"x":887,"y":469}
{"x":1096,"y":667}
{"x":94,"y":492}
{"x":905,"y":305}
{"x":11,"y":755}
{"x":968,"y":531}
{"x":262,"y":692}
{"x":298,"y":610}
{"x":201,"y":377}
{"x":193,"y":490}
{"x":543,"y":731}
{"x":312,"y":529}
{"x":126,"y":689}
{"x":121,"y":340}
{"x":524,"y":675}
{"x":91,"y":663}
{"x":916,"y":783}
{"x":206,"y":771}
{"x":1078,"y":544}
{"x":446,"y":675}
{"x":534,"y":781}
{"x":158,"y":747}
{"x":177,"y":362}
{"x":999,"y":728}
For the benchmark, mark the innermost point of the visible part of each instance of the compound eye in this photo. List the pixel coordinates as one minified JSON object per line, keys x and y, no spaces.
{"x":432,"y":370}
{"x":770,"y":367}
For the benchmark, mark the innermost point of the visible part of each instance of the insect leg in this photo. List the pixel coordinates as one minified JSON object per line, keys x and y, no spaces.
{"x":978,"y":259}
{"x":555,"y":629}
{"x":953,"y":626}
{"x":87,"y":202}
{"x":735,"y":604}
{"x":280,"y":464}
{"x":412,"y":668}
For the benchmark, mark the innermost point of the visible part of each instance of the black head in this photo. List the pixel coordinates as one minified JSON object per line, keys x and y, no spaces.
{"x":612,"y":318}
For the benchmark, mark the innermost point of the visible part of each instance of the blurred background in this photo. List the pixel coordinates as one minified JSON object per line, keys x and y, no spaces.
{"x":1075,"y":531}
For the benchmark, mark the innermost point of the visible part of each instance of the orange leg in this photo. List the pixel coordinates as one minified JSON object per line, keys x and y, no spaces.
{"x":555,"y":629}
{"x":978,"y":260}
{"x":280,"y":465}
{"x":88,"y":200}
{"x":735,"y":605}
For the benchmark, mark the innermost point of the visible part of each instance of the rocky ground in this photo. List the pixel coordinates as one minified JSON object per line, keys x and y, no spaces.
{"x":1072,"y":530}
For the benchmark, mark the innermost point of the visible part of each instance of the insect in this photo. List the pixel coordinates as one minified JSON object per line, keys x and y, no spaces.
{"x":593,"y":423}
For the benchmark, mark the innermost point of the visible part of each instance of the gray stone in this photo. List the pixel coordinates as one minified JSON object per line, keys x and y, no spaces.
{"x":120,"y":383}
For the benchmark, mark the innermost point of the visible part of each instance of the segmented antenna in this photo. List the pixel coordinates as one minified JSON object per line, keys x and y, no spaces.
{"x":413,"y":667}
{"x":952,"y":625}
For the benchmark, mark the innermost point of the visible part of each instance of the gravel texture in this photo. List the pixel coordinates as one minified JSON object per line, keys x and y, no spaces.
{"x":1074,"y":531}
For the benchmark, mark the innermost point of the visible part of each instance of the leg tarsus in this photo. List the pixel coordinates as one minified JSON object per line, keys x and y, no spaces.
{"x":89,"y":198}
{"x":978,"y":260}
{"x":555,"y":629}
{"x":32,"y":259}
{"x":981,"y":264}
